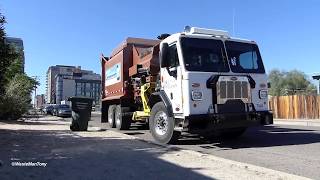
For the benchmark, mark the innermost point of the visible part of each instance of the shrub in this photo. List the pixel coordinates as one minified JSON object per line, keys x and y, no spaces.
{"x":17,"y":97}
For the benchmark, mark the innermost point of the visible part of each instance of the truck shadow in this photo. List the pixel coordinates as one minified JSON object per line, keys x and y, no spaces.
{"x":266,"y":136}
{"x":70,"y":156}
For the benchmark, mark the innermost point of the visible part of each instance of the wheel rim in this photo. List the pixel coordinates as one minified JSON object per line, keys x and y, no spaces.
{"x":118,"y":119}
{"x":110,"y":119}
{"x":161,"y":123}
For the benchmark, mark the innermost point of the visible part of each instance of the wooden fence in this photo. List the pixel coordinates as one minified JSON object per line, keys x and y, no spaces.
{"x":295,"y":107}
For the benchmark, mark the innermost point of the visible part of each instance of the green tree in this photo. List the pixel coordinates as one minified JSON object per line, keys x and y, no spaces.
{"x":15,"y":86}
{"x":290,"y":83}
{"x":276,"y":79}
{"x":7,"y":56}
{"x":3,"y":52}
{"x":16,"y":99}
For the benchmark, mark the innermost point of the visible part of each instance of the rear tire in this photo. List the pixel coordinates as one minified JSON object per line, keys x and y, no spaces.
{"x":162,"y":125}
{"x":122,"y":120}
{"x":111,"y":119}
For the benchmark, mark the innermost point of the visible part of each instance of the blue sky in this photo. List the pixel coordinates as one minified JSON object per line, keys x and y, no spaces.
{"x":76,"y":32}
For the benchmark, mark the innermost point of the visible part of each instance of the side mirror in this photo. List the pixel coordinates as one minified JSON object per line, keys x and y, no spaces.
{"x":269,"y":85}
{"x":163,"y":55}
{"x":173,"y":72}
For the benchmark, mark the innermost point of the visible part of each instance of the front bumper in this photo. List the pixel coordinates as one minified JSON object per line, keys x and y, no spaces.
{"x":209,"y":122}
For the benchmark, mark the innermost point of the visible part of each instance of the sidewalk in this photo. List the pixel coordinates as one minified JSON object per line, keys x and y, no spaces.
{"x":98,"y":154}
{"x":298,"y":122}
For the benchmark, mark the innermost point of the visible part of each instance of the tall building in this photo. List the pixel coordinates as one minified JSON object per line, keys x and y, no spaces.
{"x":39,"y":101}
{"x":62,"y":82}
{"x":17,"y":44}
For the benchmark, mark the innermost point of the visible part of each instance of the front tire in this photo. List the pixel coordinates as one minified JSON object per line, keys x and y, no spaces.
{"x":162,"y":125}
{"x":111,"y":118}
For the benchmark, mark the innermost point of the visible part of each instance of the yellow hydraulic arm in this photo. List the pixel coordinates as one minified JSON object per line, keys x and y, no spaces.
{"x":146,"y":90}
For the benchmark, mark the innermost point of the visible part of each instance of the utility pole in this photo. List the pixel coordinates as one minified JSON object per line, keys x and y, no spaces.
{"x":35,"y":92}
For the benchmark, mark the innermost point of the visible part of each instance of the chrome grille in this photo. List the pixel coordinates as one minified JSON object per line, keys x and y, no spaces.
{"x":230,"y":89}
{"x":233,"y":90}
{"x":223,"y":89}
{"x":237,"y":87}
{"x":244,"y":89}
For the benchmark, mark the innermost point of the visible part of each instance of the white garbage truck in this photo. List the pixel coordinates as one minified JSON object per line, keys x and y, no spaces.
{"x":200,"y":81}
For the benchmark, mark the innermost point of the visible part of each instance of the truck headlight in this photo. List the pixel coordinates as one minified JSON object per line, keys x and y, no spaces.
{"x":196,"y":95}
{"x":263,"y":94}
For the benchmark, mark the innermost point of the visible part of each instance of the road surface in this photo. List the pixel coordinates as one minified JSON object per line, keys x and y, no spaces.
{"x":291,"y":149}
{"x":45,"y":148}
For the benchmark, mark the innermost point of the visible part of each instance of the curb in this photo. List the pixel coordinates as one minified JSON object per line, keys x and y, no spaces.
{"x":292,"y":122}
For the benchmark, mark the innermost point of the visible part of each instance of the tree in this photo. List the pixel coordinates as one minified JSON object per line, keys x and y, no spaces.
{"x":276,"y":79}
{"x":16,"y":99}
{"x":290,"y":83}
{"x":3,"y":56}
{"x":15,"y":85}
{"x":7,"y":56}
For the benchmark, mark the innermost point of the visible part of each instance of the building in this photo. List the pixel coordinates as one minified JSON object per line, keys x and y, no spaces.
{"x":17,"y":43}
{"x":39,"y":101}
{"x":52,"y":72}
{"x":67,"y":86}
{"x":67,"y":81}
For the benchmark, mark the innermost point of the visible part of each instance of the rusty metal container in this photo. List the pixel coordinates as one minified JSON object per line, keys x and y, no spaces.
{"x":130,"y":57}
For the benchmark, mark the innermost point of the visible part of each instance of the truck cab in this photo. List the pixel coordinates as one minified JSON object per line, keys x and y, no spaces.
{"x":214,"y":83}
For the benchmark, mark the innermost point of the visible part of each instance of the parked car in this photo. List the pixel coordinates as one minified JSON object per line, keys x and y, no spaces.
{"x":62,"y":110}
{"x":49,"y":109}
{"x":55,"y":110}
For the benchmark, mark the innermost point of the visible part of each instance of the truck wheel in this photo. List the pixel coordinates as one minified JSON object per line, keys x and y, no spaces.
{"x":161,"y":125}
{"x":111,"y":119}
{"x":122,"y":121}
{"x":233,"y":133}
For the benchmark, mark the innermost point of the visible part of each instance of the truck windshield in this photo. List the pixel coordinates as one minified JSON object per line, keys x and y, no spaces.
{"x":204,"y":55}
{"x":244,"y":57}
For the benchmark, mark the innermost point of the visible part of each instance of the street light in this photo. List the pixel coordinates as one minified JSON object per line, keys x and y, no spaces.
{"x":317,"y":77}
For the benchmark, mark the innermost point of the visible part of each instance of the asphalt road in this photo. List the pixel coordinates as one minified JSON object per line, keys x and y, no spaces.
{"x":291,"y":149}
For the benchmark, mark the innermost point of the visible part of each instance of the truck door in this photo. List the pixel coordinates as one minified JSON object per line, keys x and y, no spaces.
{"x":171,"y":80}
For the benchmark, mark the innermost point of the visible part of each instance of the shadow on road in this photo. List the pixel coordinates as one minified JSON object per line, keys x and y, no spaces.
{"x":34,"y":122}
{"x":73,"y":157}
{"x":266,"y":136}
